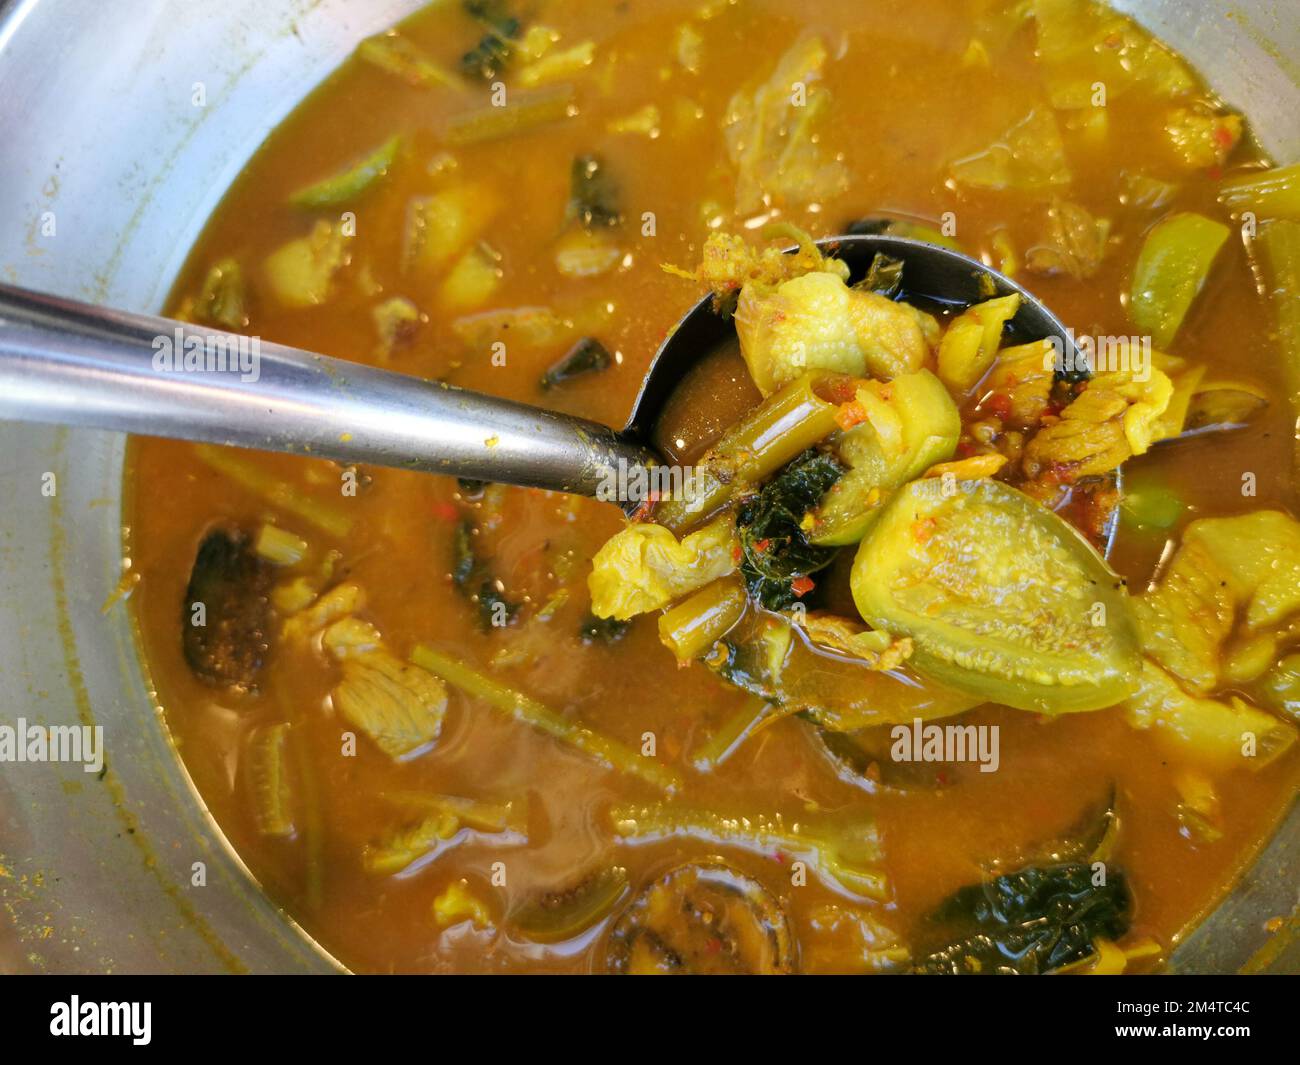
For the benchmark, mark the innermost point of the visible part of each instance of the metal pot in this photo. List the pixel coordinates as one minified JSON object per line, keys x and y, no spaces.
{"x":121,"y":126}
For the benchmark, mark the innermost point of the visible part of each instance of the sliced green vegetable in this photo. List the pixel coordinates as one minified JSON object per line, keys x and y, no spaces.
{"x":328,"y":517}
{"x":1002,"y":597}
{"x":909,"y":424}
{"x":224,"y":296}
{"x":845,"y":847}
{"x":554,"y":916}
{"x":733,"y":731}
{"x":267,"y":763}
{"x":523,"y":114}
{"x":1171,"y":270}
{"x":523,"y":708}
{"x":1269,"y":193}
{"x":348,"y":184}
{"x":1152,"y":506}
{"x":1279,"y":247}
{"x":400,"y":57}
{"x":698,"y":622}
{"x":784,"y":425}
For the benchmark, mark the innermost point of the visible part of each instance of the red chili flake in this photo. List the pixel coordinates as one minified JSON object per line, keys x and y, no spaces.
{"x":1000,"y":405}
{"x":445,"y":511}
{"x":801,"y":586}
{"x":843,"y":390}
{"x":1214,"y":173}
{"x":1053,"y":409}
{"x":643,"y":510}
{"x":922,"y":530}
{"x":942,"y":778}
{"x":714,"y":945}
{"x":762,"y":545}
{"x":1224,"y":136}
{"x":850,"y":414}
{"x":965,"y":448}
{"x":737,"y":554}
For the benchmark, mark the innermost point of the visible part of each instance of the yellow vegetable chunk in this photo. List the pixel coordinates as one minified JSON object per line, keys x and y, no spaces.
{"x":816,"y":322}
{"x":644,"y":567}
{"x":971,"y":343}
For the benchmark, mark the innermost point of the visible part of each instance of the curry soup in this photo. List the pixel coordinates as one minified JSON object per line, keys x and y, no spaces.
{"x":625,"y":810}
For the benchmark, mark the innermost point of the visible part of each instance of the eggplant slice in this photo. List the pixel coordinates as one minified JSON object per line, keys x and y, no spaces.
{"x":698,"y":918}
{"x":233,"y":585}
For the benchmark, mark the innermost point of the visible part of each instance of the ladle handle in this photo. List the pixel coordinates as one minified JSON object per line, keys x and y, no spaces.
{"x":77,"y":364}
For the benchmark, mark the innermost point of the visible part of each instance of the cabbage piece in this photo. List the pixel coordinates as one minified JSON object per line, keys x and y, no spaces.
{"x":645,"y":567}
{"x":1216,"y":735}
{"x":1260,"y":553}
{"x":1029,"y":157}
{"x":771,"y":136}
{"x":1072,"y":242}
{"x":398,"y":705}
{"x":728,"y":262}
{"x":1081,"y":43}
{"x":1186,"y":618}
{"x":816,"y":322}
{"x":1200,"y":138}
{"x":1244,"y":569}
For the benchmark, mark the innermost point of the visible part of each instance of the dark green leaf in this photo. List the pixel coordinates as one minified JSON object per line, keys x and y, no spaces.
{"x":776,"y":552}
{"x":1035,"y":920}
{"x":588,"y":355}
{"x":593,"y":194}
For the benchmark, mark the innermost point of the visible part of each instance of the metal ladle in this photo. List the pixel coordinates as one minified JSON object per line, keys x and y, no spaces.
{"x":76,"y":364}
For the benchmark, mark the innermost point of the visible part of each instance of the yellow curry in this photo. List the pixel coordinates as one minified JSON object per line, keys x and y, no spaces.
{"x":954,"y":657}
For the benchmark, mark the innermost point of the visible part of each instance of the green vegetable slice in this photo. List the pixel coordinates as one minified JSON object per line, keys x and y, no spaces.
{"x":912,"y":424}
{"x":1171,"y":269}
{"x":348,"y":184}
{"x":1001,"y":597}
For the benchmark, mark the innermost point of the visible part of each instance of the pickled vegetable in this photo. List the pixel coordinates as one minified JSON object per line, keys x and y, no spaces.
{"x":1271,"y":193}
{"x":348,"y":185}
{"x":555,"y":916}
{"x":1000,"y":596}
{"x":909,"y":424}
{"x":1171,"y":270}
{"x":702,"y":918}
{"x":226,"y":622}
{"x":645,"y":567}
